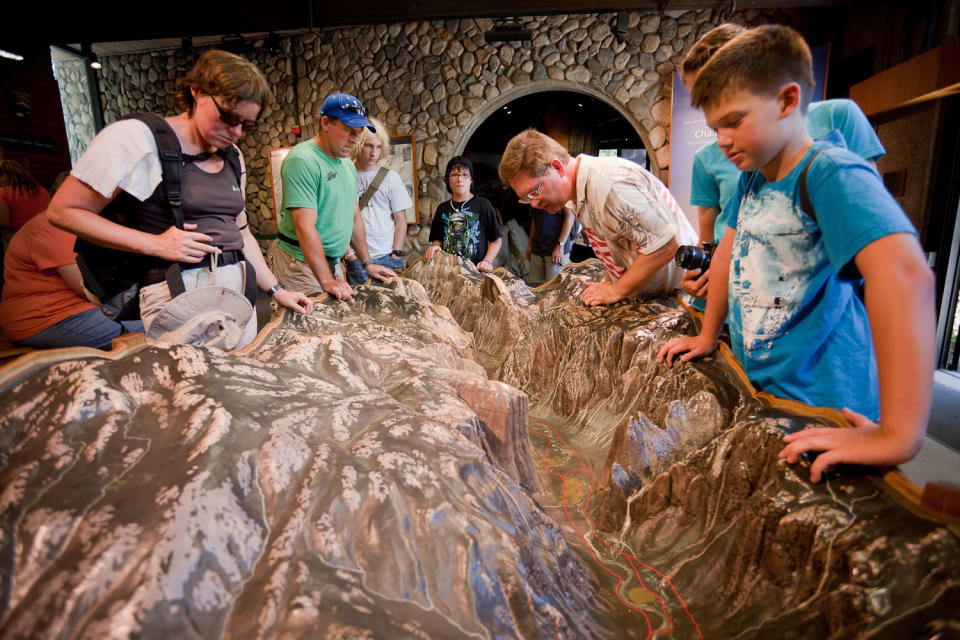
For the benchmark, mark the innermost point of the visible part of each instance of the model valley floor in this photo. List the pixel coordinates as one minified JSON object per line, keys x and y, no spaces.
{"x":450,"y":456}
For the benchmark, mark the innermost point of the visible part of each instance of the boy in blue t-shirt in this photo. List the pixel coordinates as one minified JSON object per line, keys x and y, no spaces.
{"x":789,"y":276}
{"x":714,"y":178}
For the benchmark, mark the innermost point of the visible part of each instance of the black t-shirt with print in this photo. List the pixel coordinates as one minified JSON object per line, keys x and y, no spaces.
{"x":465,"y":228}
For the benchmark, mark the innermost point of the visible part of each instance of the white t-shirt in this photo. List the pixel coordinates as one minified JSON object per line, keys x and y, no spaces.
{"x":124,"y":154}
{"x":625,"y":210}
{"x":378,"y":214}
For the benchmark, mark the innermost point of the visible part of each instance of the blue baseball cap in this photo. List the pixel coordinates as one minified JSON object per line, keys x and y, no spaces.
{"x":347,"y":109}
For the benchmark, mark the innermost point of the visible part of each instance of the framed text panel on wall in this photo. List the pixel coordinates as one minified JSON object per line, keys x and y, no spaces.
{"x":276,"y":159}
{"x":403,"y":160}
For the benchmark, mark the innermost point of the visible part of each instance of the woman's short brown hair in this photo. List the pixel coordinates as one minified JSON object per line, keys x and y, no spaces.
{"x":225,"y":75}
{"x":531,"y":152}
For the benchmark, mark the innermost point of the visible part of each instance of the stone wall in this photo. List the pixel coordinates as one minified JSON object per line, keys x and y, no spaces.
{"x":439,"y":80}
{"x":71,"y":78}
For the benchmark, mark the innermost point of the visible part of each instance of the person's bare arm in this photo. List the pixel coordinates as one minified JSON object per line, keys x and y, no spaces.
{"x":399,"y":229}
{"x":568,"y":218}
{"x":265,"y":278}
{"x":305,"y":224}
{"x":70,"y":273}
{"x":493,"y":248}
{"x":644,"y":267}
{"x":899,"y":300}
{"x":533,"y":232}
{"x":76,"y":208}
{"x":707,"y":217}
{"x":714,"y":315}
{"x":358,"y":240}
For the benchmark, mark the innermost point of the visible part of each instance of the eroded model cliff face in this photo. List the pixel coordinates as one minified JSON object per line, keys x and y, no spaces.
{"x":358,"y":474}
{"x":334,"y":481}
{"x":669,"y":478}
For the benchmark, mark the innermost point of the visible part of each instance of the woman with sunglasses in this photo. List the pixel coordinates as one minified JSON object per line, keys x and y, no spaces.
{"x":220,"y":99}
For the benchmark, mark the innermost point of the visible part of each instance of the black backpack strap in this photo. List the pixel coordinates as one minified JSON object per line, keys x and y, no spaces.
{"x":171,"y":163}
{"x":232,"y":157}
{"x":805,"y":202}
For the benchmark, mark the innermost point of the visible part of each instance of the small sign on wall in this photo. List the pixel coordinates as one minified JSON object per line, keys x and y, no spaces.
{"x":403,"y":160}
{"x":276,"y":160}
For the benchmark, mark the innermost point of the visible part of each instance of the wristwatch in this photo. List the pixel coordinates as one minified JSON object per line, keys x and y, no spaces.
{"x":272,"y":290}
{"x":368,"y":263}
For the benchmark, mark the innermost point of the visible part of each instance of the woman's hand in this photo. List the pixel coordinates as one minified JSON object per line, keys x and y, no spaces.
{"x":184,"y":245}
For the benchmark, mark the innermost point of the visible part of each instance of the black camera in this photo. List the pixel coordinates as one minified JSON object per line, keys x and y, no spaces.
{"x":693,"y":257}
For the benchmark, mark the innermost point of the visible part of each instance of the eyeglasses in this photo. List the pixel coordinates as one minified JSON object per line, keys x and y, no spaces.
{"x":533,"y":195}
{"x":231,"y":119}
{"x":465,"y":176}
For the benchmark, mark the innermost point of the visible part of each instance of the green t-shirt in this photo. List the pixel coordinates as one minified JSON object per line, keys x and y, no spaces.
{"x":313,"y":180}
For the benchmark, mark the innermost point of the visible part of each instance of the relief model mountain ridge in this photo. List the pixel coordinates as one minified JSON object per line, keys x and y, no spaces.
{"x":357,"y":473}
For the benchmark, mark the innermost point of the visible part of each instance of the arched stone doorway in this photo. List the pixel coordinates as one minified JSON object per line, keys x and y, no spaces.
{"x":545,"y":86}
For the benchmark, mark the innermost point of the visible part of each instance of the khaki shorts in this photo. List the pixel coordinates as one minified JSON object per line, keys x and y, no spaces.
{"x":296,"y":275}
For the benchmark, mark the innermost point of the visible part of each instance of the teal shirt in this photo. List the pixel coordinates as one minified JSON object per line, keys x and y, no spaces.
{"x":715,"y":178}
{"x":313,"y":180}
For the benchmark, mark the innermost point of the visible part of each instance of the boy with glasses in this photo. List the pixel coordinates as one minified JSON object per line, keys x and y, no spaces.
{"x":633,"y":223}
{"x":465,"y":225}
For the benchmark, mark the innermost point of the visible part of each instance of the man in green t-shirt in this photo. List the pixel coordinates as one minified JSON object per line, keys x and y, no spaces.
{"x":320,"y":213}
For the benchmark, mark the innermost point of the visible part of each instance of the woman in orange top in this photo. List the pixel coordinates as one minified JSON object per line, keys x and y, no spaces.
{"x":43,"y":303}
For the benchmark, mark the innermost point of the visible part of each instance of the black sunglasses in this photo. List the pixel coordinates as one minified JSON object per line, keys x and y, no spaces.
{"x":231,"y":119}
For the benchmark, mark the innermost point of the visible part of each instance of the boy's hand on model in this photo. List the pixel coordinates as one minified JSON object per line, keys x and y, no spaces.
{"x":864,"y":443}
{"x":598,"y":293}
{"x":694,"y":283}
{"x":689,"y":347}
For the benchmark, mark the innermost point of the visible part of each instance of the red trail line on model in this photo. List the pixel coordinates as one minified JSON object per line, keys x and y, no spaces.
{"x":630,"y":558}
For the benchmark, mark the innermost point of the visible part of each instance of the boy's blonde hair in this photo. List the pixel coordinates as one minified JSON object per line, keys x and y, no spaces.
{"x":366,"y":134}
{"x":704,"y":48}
{"x":531,"y":152}
{"x":760,"y":61}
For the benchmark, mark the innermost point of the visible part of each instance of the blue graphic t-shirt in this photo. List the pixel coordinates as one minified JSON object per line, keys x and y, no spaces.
{"x":465,"y":228}
{"x":796,"y":322}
